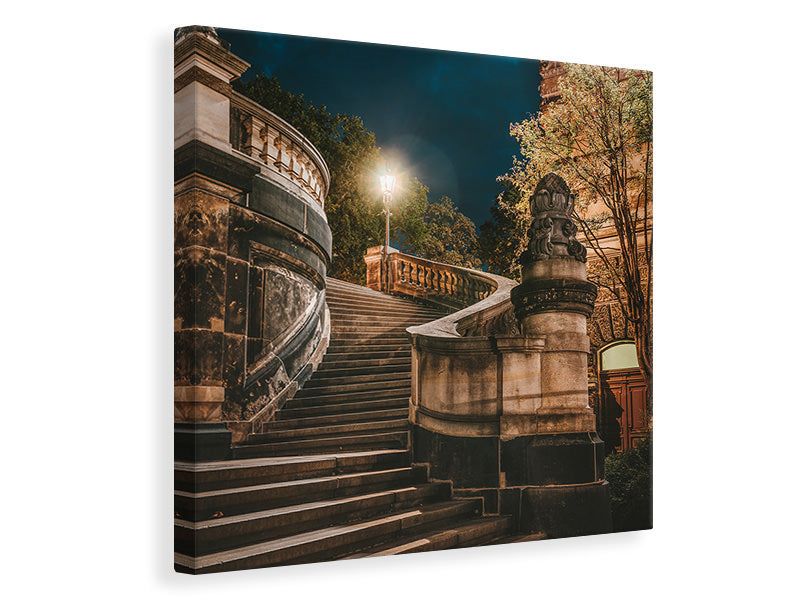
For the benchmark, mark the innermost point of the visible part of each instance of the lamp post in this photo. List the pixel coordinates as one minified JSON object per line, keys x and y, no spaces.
{"x":387,"y":185}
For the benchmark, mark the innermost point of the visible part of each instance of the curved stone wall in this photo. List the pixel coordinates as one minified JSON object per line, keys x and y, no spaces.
{"x":252,"y":246}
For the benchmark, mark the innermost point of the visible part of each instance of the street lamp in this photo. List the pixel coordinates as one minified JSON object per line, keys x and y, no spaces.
{"x":387,"y":185}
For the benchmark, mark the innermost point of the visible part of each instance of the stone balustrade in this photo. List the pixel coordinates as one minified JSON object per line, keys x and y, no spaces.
{"x":444,"y":285}
{"x":284,"y":155}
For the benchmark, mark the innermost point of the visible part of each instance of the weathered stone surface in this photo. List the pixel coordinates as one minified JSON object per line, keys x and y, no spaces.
{"x":233,"y":361}
{"x":201,"y":219}
{"x":252,"y":233}
{"x":557,"y":459}
{"x":195,"y":403}
{"x":199,"y":289}
{"x":287,"y":296}
{"x":198,"y":357}
{"x":552,"y":232}
{"x":249,"y":197}
{"x":566,"y":511}
{"x":236,"y":297}
{"x":469,"y":462}
{"x":197,"y":157}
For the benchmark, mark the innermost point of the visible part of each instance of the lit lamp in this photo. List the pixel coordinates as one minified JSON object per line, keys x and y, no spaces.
{"x":387,"y":185}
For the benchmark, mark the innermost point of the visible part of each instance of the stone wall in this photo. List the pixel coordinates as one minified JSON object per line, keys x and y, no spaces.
{"x":252,"y":245}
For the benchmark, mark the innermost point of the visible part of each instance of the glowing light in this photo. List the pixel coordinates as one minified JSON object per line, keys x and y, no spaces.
{"x":387,"y":182}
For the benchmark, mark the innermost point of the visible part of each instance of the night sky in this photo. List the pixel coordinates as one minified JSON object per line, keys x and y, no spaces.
{"x":440,"y":116}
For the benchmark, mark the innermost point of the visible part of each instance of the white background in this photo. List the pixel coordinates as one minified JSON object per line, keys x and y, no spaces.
{"x":87,"y":283}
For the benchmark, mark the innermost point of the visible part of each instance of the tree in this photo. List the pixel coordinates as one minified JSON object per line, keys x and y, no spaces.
{"x":409,"y":206}
{"x":449,"y":235}
{"x":503,"y":238}
{"x":598,"y":137}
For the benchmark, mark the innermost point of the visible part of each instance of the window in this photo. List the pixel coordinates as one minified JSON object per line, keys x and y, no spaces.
{"x":619,"y":355}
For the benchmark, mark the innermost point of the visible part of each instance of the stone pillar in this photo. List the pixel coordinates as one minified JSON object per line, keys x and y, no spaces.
{"x":564,"y":459}
{"x":204,"y":275}
{"x":376,"y":278}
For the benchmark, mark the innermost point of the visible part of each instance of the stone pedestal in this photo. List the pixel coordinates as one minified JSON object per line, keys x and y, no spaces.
{"x":560,"y":468}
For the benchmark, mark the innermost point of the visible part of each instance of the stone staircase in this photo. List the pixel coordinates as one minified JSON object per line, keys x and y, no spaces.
{"x":332,"y":476}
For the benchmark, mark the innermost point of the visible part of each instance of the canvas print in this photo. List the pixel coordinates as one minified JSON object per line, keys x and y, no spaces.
{"x":413,"y":300}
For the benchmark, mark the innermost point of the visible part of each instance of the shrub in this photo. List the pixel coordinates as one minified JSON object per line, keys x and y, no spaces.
{"x":630,"y":481}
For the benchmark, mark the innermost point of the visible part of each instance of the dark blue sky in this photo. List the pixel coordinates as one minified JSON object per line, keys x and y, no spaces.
{"x":440,"y":116}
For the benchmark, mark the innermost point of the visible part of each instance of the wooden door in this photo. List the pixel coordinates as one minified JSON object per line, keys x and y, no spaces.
{"x":624,"y":405}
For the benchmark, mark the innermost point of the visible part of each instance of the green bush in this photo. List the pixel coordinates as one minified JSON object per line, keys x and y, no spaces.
{"x":630,"y":481}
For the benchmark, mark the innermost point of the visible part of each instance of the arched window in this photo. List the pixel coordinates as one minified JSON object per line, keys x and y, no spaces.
{"x":618,"y":356}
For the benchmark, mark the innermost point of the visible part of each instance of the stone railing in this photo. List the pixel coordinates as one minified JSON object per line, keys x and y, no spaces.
{"x":446,"y":286}
{"x":463,"y":365}
{"x":285,"y":156}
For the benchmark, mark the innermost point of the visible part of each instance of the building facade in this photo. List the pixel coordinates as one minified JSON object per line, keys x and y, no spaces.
{"x":617,"y":389}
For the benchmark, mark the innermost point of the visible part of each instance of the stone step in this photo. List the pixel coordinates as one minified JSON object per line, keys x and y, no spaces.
{"x":473,"y":532}
{"x":351,"y":397}
{"x":390,"y":320}
{"x":325,"y":379}
{"x":348,"y":407}
{"x":351,"y":289}
{"x":344,"y":417}
{"x":340,"y":294}
{"x":199,"y":506}
{"x":200,"y":477}
{"x":354,"y":348}
{"x":401,"y":381}
{"x":214,"y":535}
{"x":393,"y":337}
{"x":344,"y":443}
{"x":274,"y":435}
{"x":366,"y":353}
{"x":367,"y":330}
{"x":390,"y":307}
{"x":328,"y":543}
{"x":363,"y":367}
{"x":364,"y":311}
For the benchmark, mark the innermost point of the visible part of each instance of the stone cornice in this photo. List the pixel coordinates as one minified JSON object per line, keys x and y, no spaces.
{"x":195,"y":42}
{"x":202,"y":76}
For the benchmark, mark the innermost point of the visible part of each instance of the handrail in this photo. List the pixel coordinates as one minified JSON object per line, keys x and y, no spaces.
{"x":482,"y":300}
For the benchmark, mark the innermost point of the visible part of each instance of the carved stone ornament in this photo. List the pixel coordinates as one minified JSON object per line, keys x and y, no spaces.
{"x":576,"y":249}
{"x":556,"y":295}
{"x":540,"y":233}
{"x":552,"y":233}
